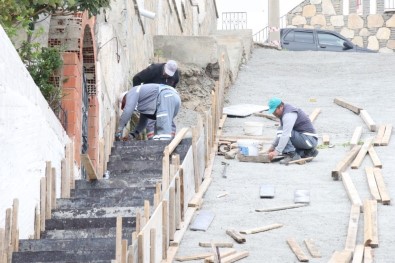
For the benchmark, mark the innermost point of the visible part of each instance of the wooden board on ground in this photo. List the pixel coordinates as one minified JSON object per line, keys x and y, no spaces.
{"x":216,"y":244}
{"x":261,"y":229}
{"x":341,"y":257}
{"x":314,"y":114}
{"x":361,"y":154}
{"x":387,"y":135}
{"x":351,"y":190}
{"x":193,"y":257}
{"x":374,"y":191}
{"x":297,"y":250}
{"x":356,"y":136}
{"x":368,"y":120}
{"x":302,"y":196}
{"x":266,"y":191}
{"x":203,"y":220}
{"x":347,"y":105}
{"x":90,"y":170}
{"x":261,"y":158}
{"x":280,"y":208}
{"x":312,"y":248}
{"x":236,"y":236}
{"x":243,"y":110}
{"x":301,"y":161}
{"x":235,"y":257}
{"x":385,"y":197}
{"x":352,"y":228}
{"x":345,"y":162}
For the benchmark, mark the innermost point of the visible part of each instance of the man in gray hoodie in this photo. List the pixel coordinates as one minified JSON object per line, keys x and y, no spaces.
{"x":154,"y":102}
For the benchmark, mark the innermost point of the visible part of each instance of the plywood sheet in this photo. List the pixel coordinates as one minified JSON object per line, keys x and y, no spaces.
{"x":202,"y":220}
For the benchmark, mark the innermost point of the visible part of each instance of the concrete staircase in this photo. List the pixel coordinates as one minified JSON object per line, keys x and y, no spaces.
{"x":83,"y":228}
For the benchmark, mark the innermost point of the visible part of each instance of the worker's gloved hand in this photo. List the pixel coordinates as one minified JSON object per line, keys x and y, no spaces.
{"x":118,"y":136}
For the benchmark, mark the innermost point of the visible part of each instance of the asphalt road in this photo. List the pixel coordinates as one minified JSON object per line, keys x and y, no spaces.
{"x":308,"y":80}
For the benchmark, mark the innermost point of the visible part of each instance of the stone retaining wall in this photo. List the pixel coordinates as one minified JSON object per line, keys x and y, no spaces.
{"x":373,"y":31}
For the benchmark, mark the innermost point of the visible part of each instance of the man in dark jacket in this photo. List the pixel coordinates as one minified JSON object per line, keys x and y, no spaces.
{"x":296,"y":136}
{"x":160,"y":73}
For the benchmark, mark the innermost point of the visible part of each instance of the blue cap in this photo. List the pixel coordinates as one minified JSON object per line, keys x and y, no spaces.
{"x":273,"y":104}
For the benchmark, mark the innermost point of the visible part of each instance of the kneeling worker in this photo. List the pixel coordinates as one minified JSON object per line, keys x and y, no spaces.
{"x":153,"y":101}
{"x":296,"y":136}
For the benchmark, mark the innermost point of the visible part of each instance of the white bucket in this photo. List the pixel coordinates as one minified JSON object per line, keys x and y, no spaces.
{"x":147,"y":13}
{"x":253,"y":128}
{"x":248,"y":147}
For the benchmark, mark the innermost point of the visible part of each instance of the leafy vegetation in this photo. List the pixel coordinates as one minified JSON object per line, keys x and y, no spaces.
{"x":42,"y":63}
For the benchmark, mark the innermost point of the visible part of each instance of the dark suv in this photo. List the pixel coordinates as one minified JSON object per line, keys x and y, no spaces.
{"x":301,"y":39}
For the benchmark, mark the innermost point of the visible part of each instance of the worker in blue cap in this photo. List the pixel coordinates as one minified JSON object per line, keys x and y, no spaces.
{"x":296,"y":137}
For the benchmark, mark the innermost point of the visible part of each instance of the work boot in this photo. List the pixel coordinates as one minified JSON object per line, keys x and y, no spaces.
{"x":290,"y":156}
{"x":311,"y":153}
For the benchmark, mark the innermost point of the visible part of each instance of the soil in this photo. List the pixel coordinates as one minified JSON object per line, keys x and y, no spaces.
{"x":308,"y":80}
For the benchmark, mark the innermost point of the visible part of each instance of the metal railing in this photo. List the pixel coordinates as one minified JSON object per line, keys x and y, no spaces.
{"x":262,"y":36}
{"x":389,"y":5}
{"x":234,"y":20}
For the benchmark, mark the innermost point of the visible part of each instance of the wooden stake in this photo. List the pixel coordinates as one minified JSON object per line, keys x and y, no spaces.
{"x":325,"y":139}
{"x":48,"y":187}
{"x":172,"y":213}
{"x":37,"y":230}
{"x":351,"y":190}
{"x":314,"y":114}
{"x":236,"y":236}
{"x":385,"y":197}
{"x":347,"y":105}
{"x":90,"y":169}
{"x":280,"y":208}
{"x":312,"y":248}
{"x":374,"y":191}
{"x":341,"y":256}
{"x":152,"y":245}
{"x":165,"y":228}
{"x":375,"y":158}
{"x":361,"y":154}
{"x":2,"y":245}
{"x":217,"y":244}
{"x":118,"y":244}
{"x":368,"y":120}
{"x":195,"y":159}
{"x":53,"y":188}
{"x":7,"y":231}
{"x":43,"y":198}
{"x":146,"y":209}
{"x":182,"y":193}
{"x":345,"y":162}
{"x":165,"y":169}
{"x":356,"y":136}
{"x":65,"y":177}
{"x":140,"y":239}
{"x":177,"y":202}
{"x":124,"y":251}
{"x":14,"y":225}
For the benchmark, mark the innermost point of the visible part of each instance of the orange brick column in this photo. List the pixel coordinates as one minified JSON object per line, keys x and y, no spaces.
{"x":93,"y":130}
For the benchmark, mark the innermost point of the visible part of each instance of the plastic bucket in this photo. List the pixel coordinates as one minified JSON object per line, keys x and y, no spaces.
{"x":253,"y":128}
{"x":248,"y":147}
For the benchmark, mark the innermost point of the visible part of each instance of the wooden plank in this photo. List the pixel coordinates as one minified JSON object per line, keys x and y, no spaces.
{"x":165,"y":229}
{"x":43,"y":198}
{"x":352,"y":231}
{"x":172,"y":213}
{"x":53,"y":188}
{"x":261,"y":229}
{"x":312,"y":248}
{"x":341,"y":257}
{"x":345,"y":162}
{"x":385,"y":197}
{"x":182,"y":193}
{"x":140,"y":243}
{"x":379,"y":136}
{"x":203,"y":187}
{"x":193,"y":257}
{"x":235,"y":257}
{"x":267,"y":116}
{"x":7,"y":230}
{"x":374,"y":191}
{"x":368,"y":226}
{"x":368,"y":120}
{"x":280,"y":208}
{"x":203,"y":220}
{"x":387,"y":135}
{"x":356,"y":136}
{"x":361,"y":154}
{"x":375,"y":158}
{"x":48,"y":187}
{"x":266,"y":191}
{"x":152,"y":245}
{"x":184,"y":226}
{"x":325,"y":139}
{"x":345,"y":104}
{"x":301,"y":161}
{"x":375,"y":232}
{"x":217,"y":244}
{"x":210,"y":259}
{"x":147,"y":212}
{"x":314,"y":114}
{"x":358,"y":254}
{"x":65,"y":180}
{"x":236,"y":236}
{"x":297,"y":250}
{"x":178,"y":206}
{"x":90,"y":169}
{"x":177,"y":139}
{"x":14,"y":225}
{"x":2,"y":245}
{"x":222,"y":121}
{"x":165,"y":169}
{"x":368,"y":255}
{"x":118,"y":239}
{"x":196,"y":169}
{"x":351,"y":190}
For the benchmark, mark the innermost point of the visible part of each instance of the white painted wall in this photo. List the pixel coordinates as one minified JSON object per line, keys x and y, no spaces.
{"x":257,"y":11}
{"x":30,"y":135}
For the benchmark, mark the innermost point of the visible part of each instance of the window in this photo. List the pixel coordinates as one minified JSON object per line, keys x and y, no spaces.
{"x":329,"y":39}
{"x":389,"y":5}
{"x":305,"y":37}
{"x":289,"y":36}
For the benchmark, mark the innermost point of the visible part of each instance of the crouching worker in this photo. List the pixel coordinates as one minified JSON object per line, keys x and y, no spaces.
{"x":153,"y":101}
{"x":296,"y":136}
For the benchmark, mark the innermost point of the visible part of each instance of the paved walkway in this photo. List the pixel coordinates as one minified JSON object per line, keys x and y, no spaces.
{"x":308,"y":80}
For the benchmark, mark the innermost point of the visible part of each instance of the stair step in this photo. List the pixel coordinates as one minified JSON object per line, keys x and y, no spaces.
{"x":95,"y":212}
{"x":135,"y":166}
{"x":93,"y":202}
{"x":117,"y":183}
{"x":87,"y":233}
{"x":85,"y":223}
{"x":135,"y":157}
{"x":66,"y":244}
{"x":131,"y":192}
{"x":63,"y":256}
{"x":132,"y":176}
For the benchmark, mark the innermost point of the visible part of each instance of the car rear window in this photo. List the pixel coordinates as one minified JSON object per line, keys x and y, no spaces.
{"x":305,"y":37}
